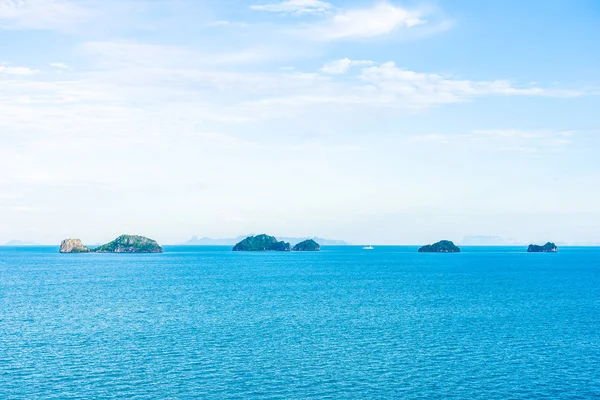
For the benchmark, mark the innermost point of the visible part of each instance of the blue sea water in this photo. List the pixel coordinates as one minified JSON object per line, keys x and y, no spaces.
{"x":205,"y":322}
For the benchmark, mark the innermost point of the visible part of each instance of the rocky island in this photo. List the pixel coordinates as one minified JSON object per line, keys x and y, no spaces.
{"x":73,"y":246}
{"x":307,"y":245}
{"x":444,"y":246}
{"x":261,"y":243}
{"x":122,"y":244}
{"x":130,"y":244}
{"x":547,"y":248}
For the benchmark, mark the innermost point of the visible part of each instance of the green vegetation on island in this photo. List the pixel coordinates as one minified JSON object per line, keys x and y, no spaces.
{"x":307,"y":245}
{"x":261,"y":243}
{"x":547,"y":248}
{"x":122,"y":244}
{"x":444,"y":246}
{"x":130,"y":244}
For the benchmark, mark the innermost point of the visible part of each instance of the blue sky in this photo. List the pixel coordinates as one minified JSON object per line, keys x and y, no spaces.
{"x":369,"y":121}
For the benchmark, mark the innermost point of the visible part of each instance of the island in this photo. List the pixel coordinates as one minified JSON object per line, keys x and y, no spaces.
{"x":261,"y":243}
{"x":307,"y":245}
{"x":73,"y":246}
{"x":130,"y":244}
{"x":21,"y":243}
{"x":547,"y":248}
{"x":122,"y":244}
{"x":207,"y":241}
{"x":444,"y":246}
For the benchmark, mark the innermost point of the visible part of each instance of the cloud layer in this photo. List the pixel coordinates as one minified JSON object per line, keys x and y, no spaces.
{"x":41,"y":14}
{"x":297,"y":7}
{"x":317,"y":107}
{"x":380,"y":20}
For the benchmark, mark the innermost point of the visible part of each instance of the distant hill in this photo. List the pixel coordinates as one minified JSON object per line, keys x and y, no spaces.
{"x":323,"y":242}
{"x":592,"y":244}
{"x":479,"y":240}
{"x":21,"y":243}
{"x":547,"y":248}
{"x":261,"y":243}
{"x":206,"y":241}
{"x":443,"y":246}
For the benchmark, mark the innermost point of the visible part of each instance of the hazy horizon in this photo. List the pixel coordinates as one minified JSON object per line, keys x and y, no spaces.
{"x":368,"y":121}
{"x":467,"y":241}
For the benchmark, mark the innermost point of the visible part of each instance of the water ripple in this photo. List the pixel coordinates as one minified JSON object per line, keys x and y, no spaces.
{"x":206,"y":323}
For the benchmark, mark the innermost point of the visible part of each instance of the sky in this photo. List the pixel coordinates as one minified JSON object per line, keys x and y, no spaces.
{"x":382,"y":122}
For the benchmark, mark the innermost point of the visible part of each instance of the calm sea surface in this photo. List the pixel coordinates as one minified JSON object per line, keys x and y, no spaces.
{"x":205,"y":322}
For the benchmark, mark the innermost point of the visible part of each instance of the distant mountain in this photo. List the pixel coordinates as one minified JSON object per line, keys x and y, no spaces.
{"x":323,"y":242}
{"x":205,"y":241}
{"x":592,"y":244}
{"x":479,"y":240}
{"x":21,"y":243}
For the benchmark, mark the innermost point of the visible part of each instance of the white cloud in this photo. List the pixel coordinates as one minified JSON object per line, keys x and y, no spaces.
{"x":342,"y":66}
{"x":384,"y":18}
{"x":201,"y":135}
{"x":130,"y":53}
{"x":59,"y":65}
{"x":525,"y":141}
{"x":504,"y":134}
{"x":297,"y":7}
{"x":152,"y":74}
{"x":421,"y":89}
{"x":121,"y":53}
{"x":223,"y":23}
{"x":41,"y":14}
{"x":535,"y":142}
{"x":24,"y":209}
{"x":219,"y":23}
{"x":17,"y":70}
{"x":386,"y":85}
{"x":137,"y":91}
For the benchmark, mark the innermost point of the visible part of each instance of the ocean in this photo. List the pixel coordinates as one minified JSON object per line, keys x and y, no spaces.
{"x":343,"y":323}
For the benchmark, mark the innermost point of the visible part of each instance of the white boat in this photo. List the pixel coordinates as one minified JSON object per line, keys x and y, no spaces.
{"x":369,"y":247}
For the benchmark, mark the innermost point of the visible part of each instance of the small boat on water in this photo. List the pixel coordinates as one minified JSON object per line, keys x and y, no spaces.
{"x":369,"y":247}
